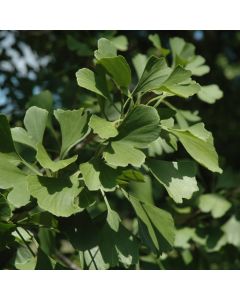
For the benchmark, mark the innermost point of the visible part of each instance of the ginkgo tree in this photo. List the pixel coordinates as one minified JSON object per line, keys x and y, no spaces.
{"x":105,"y":156}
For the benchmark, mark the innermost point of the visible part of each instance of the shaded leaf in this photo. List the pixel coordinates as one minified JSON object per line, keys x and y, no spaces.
{"x":87,"y":79}
{"x":199,"y":147}
{"x":155,"y":73}
{"x":35,"y":122}
{"x":56,"y":195}
{"x":139,"y":62}
{"x":97,"y":175}
{"x":47,"y":163}
{"x":11,"y":177}
{"x":177,"y":177}
{"x":156,"y":226}
{"x":122,"y":154}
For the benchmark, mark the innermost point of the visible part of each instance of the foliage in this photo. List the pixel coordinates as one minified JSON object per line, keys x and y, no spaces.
{"x":119,"y":181}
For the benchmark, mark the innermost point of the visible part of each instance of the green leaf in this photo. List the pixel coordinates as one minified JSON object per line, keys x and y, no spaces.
{"x":74,"y":127}
{"x":46,"y":239}
{"x":95,"y":83}
{"x":199,"y":145}
{"x":155,"y":73}
{"x":179,"y":83}
{"x":11,"y":177}
{"x":56,"y":195}
{"x":102,"y":127}
{"x":130,"y":175}
{"x":97,"y":175}
{"x":122,"y":154}
{"x":184,"y":54}
{"x":140,"y":127}
{"x":118,"y":246}
{"x":214,"y":204}
{"x":24,"y":259}
{"x":102,"y":246}
{"x":47,"y":163}
{"x":35,"y":122}
{"x":120,"y":42}
{"x":154,"y":38}
{"x":142,"y":190}
{"x":7,"y":149}
{"x":156,"y":226}
{"x":183,"y":237}
{"x":138,"y":130}
{"x":105,"y":49}
{"x":113,"y":219}
{"x":210,"y":93}
{"x":231,"y":229}
{"x":177,"y":177}
{"x":139,"y":62}
{"x":196,"y":66}
{"x":21,"y":136}
{"x":118,"y":68}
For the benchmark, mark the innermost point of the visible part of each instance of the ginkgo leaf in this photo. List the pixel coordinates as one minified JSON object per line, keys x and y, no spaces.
{"x":115,"y":65}
{"x":11,"y":177}
{"x":106,"y":48}
{"x":179,"y":83}
{"x":210,"y":93}
{"x":156,"y":226}
{"x":138,"y":130}
{"x":139,"y":62}
{"x":56,"y":195}
{"x":231,"y":229}
{"x":118,"y":246}
{"x":102,"y":127}
{"x":140,"y":127}
{"x":35,"y":122}
{"x":184,"y":54}
{"x":214,"y":204}
{"x":97,"y":175}
{"x":21,"y":136}
{"x":155,"y":39}
{"x":198,"y":146}
{"x":120,"y":42}
{"x":47,"y":163}
{"x":118,"y":68}
{"x":122,"y":154}
{"x":130,"y":175}
{"x":154,"y":74}
{"x":142,"y":190}
{"x":95,"y":83}
{"x":197,"y":66}
{"x":177,"y":177}
{"x":74,"y":127}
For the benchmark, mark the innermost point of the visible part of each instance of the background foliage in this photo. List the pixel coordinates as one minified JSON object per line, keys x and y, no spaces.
{"x":208,"y":236}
